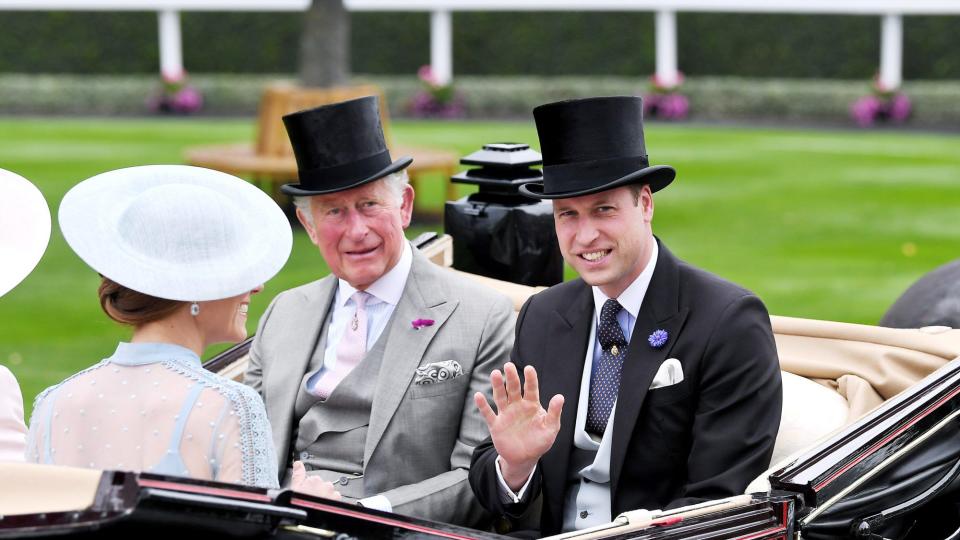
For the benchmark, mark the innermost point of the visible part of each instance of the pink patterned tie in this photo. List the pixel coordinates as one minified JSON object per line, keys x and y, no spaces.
{"x":350,"y":350}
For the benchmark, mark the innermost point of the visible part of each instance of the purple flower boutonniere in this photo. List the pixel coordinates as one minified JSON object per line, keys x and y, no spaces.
{"x":420,"y":323}
{"x":658,"y":338}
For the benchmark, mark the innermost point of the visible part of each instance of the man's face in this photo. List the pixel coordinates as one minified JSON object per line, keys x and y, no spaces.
{"x":360,"y":231}
{"x":606,"y":237}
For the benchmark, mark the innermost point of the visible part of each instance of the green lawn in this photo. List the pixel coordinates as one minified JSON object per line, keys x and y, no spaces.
{"x":821,"y":224}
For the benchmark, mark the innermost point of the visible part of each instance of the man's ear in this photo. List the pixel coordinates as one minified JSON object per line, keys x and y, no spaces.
{"x":307,"y":225}
{"x":646,"y":203}
{"x":406,"y":205}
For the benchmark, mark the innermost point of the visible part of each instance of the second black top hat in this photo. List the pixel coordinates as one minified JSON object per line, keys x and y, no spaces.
{"x":591,"y":145}
{"x":338,"y":147}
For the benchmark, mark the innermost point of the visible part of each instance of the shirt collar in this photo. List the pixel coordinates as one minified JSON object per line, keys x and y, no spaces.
{"x":388,"y":288}
{"x":632,"y":297}
{"x":135,"y":354}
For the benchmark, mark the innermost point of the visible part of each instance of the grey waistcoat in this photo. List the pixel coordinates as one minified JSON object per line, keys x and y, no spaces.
{"x":583,"y":495}
{"x":341,"y":421}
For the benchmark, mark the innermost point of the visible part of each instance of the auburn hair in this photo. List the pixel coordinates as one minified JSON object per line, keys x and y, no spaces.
{"x":127,"y":306}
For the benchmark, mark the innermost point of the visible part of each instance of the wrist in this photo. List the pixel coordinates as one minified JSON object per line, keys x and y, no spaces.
{"x":515,"y":475}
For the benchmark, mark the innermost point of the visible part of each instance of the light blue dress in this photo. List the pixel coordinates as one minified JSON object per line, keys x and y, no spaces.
{"x":152,"y":407}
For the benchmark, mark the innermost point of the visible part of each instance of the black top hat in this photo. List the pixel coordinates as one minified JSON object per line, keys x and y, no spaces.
{"x":592,"y":145}
{"x":338,"y":147}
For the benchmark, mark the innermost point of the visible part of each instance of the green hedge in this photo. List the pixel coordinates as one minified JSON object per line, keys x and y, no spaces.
{"x":486,"y":43}
{"x":711,"y":98}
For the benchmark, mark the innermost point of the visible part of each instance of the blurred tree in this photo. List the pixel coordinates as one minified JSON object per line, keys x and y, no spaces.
{"x":325,"y":44}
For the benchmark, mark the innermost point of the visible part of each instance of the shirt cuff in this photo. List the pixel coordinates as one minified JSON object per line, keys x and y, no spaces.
{"x":507,"y":495}
{"x":377,"y":502}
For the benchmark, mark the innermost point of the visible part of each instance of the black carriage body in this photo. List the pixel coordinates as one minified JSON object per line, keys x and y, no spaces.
{"x":892,"y":474}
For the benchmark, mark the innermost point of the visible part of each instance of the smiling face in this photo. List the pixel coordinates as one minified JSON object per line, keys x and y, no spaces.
{"x":359,"y":231}
{"x":225,"y":321}
{"x":606,"y":237}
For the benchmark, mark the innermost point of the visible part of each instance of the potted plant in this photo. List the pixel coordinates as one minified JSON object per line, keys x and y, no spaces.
{"x":436,"y":99}
{"x":176,"y":95}
{"x":664,"y":100}
{"x":882,"y":105}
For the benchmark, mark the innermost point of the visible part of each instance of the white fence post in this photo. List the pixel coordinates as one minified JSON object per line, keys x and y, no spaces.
{"x":171,"y":51}
{"x":441,"y":45}
{"x":666,"y":44}
{"x":891,"y":51}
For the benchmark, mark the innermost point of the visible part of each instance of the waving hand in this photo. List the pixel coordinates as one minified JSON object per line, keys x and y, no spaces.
{"x":521,"y":429}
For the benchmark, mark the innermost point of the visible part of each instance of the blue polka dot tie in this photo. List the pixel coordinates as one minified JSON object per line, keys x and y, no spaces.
{"x":605,"y":377}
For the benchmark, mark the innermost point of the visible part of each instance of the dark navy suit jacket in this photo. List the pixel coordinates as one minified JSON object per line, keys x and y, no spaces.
{"x":704,"y":438}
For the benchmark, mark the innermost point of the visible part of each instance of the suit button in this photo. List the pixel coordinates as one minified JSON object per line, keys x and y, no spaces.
{"x":304,"y":455}
{"x":584,"y":514}
{"x":344,"y":480}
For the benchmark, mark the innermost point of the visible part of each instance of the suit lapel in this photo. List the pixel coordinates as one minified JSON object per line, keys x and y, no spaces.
{"x":568,"y":331}
{"x":660,"y":310}
{"x":291,"y":364}
{"x":423,"y":298}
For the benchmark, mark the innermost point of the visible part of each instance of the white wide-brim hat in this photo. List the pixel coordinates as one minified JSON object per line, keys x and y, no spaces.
{"x":176,"y":232}
{"x":24,"y":229}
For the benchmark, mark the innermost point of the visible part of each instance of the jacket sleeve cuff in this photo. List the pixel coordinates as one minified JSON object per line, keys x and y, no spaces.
{"x":507,"y":495}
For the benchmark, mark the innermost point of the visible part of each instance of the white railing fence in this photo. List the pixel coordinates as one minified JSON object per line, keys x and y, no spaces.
{"x":891,"y":14}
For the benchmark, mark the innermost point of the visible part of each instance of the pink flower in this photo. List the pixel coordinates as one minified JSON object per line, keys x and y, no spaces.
{"x":670,"y":106}
{"x":420,"y":323}
{"x":187,"y":100}
{"x":425,"y":73}
{"x":869,"y":110}
{"x":866,"y":110}
{"x":662,"y":86}
{"x":173,"y":77}
{"x":898,"y":109}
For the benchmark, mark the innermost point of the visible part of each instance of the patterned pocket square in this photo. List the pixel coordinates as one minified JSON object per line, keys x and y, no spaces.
{"x":438,"y":372}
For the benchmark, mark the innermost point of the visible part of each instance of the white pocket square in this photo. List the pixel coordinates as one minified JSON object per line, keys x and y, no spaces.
{"x":670,"y":373}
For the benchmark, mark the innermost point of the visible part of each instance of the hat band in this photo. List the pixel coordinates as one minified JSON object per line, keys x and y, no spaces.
{"x":587,"y":174}
{"x":344,"y":176}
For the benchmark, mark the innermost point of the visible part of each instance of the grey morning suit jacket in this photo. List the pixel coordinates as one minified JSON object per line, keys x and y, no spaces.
{"x":420,"y":437}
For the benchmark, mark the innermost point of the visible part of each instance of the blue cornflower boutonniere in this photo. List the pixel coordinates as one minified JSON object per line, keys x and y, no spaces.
{"x":658,"y":338}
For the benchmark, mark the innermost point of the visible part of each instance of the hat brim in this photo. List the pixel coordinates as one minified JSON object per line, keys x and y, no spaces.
{"x":138,"y":226}
{"x":656,"y":176}
{"x":298,"y":190}
{"x":24,"y":229}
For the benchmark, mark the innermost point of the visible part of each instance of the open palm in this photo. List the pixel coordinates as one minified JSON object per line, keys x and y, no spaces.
{"x":521,"y":429}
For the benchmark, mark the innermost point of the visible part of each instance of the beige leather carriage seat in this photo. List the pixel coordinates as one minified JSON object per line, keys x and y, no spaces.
{"x":28,"y":488}
{"x":834,"y":373}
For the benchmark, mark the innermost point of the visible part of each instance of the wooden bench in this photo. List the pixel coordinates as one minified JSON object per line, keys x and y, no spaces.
{"x":269,"y":160}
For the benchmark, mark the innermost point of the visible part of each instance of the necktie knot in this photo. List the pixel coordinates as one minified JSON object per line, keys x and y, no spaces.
{"x":610,"y":333}
{"x":360,"y":299}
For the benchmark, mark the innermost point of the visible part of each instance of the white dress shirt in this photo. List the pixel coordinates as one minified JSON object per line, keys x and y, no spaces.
{"x":592,"y":497}
{"x":385,"y":294}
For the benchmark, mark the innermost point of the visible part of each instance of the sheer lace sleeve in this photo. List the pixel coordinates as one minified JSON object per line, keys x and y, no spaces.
{"x":256,"y":439}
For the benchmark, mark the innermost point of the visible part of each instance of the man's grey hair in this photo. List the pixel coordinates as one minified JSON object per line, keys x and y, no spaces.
{"x":395,"y":181}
